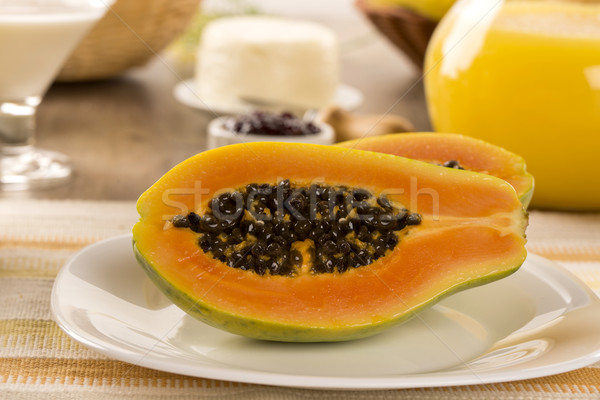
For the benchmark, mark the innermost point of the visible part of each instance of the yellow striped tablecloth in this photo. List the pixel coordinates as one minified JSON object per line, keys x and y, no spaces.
{"x":38,"y":360}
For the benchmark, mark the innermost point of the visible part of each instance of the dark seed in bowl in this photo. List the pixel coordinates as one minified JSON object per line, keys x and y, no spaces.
{"x":271,"y":124}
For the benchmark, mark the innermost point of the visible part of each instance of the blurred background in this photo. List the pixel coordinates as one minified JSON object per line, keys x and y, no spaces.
{"x":126,"y":106}
{"x":125,"y":130}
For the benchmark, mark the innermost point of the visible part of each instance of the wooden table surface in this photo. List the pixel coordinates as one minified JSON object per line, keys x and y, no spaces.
{"x":122,"y":134}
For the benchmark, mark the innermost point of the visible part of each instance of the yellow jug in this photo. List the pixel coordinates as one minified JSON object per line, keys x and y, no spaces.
{"x":525,"y":75}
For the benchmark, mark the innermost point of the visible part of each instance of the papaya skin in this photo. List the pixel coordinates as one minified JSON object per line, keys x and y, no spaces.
{"x":473,"y":154}
{"x":470,"y":237}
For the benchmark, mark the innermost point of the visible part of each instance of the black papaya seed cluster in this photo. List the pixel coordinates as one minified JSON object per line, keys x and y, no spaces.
{"x":265,"y":228}
{"x":452,"y":164}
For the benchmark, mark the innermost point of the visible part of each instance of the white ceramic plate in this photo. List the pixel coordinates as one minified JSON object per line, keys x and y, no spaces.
{"x":347,"y":97}
{"x":539,"y":321}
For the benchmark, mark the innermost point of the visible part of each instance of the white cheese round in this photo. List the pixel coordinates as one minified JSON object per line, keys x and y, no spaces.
{"x":267,"y":59}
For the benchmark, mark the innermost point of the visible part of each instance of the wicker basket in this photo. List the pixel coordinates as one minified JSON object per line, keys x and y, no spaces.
{"x":130,"y":34}
{"x":409,"y":31}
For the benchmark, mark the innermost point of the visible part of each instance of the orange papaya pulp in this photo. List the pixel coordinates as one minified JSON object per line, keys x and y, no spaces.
{"x":472,"y":232}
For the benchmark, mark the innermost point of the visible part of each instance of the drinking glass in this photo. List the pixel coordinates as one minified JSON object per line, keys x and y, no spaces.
{"x":525,"y":75}
{"x":36,"y":37}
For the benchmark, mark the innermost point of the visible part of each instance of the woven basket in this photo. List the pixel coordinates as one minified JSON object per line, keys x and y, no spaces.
{"x":407,"y":30}
{"x":130,"y":34}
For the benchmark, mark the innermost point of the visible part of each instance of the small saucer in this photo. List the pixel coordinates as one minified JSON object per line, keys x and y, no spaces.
{"x":347,"y":97}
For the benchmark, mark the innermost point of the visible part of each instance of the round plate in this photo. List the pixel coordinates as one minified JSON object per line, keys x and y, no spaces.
{"x":347,"y":97}
{"x":539,"y":321}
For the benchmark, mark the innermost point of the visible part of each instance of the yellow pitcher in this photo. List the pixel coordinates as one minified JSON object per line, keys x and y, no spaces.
{"x":525,"y":75}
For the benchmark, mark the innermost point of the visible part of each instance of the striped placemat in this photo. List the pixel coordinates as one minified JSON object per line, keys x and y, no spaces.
{"x":38,"y":360}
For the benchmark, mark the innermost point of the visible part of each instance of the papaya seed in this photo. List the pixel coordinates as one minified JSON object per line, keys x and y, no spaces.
{"x":255,"y":228}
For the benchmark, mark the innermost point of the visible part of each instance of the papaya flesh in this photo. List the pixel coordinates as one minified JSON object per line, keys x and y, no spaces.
{"x":472,"y":154}
{"x":471,"y":231}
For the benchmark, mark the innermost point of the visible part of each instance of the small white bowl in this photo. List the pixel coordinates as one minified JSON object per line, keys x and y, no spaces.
{"x":219,"y":136}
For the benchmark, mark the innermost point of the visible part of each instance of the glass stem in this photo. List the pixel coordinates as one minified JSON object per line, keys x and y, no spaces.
{"x":17,"y":126}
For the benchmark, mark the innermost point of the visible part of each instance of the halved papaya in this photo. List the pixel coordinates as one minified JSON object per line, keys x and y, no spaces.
{"x":398,"y":236}
{"x":472,"y":154}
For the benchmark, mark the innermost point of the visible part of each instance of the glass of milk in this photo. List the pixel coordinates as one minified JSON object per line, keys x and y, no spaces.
{"x":36,"y":37}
